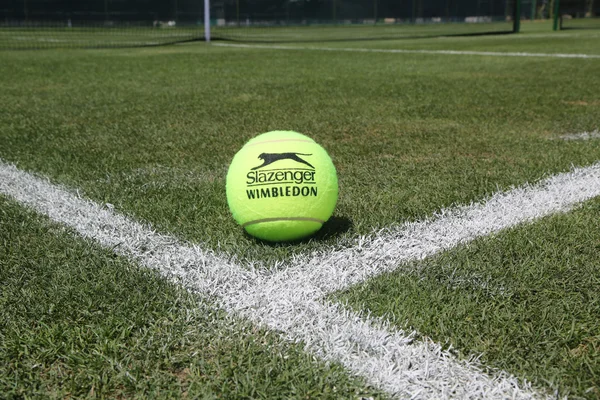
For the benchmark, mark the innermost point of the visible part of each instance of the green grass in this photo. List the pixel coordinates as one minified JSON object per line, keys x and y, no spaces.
{"x":91,"y":35}
{"x":56,"y":36}
{"x":533,"y":40}
{"x":347,"y":32}
{"x":581,"y":23}
{"x":527,"y":300}
{"x":153,"y":130}
{"x":79,"y":322}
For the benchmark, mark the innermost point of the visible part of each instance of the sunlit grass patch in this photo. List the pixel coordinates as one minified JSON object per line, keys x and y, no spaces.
{"x":526,"y":300}
{"x":78,"y":321}
{"x":152,"y":131}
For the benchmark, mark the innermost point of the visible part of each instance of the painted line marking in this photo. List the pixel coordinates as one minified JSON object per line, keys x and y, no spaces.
{"x":405,"y":51}
{"x":91,"y":41}
{"x":595,"y":134}
{"x":377,"y":254}
{"x":290,"y":298}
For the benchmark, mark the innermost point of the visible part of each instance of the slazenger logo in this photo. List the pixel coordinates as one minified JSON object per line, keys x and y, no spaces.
{"x":270,"y":158}
{"x":281,"y":175}
{"x":283,"y":181}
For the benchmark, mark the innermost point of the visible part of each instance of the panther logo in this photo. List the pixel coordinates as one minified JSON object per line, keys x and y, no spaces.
{"x":270,"y":158}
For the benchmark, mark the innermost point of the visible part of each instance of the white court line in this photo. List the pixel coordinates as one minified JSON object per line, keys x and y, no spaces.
{"x":405,"y":51}
{"x":290,"y":299}
{"x":90,"y":42}
{"x":595,"y":134}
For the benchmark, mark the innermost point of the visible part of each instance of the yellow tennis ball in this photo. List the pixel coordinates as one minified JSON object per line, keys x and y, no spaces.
{"x":281,"y":186}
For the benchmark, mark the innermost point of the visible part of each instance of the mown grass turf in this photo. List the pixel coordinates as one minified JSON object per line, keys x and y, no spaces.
{"x":527,"y":300}
{"x":536,"y":37}
{"x":152,"y":131}
{"x":56,"y":35}
{"x":332,"y":31}
{"x":581,"y":23}
{"x":79,"y":322}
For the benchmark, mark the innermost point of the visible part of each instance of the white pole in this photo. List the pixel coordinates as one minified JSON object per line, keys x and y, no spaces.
{"x":207,"y":20}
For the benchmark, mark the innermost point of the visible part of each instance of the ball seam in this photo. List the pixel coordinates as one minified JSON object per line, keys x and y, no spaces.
{"x":259,"y":221}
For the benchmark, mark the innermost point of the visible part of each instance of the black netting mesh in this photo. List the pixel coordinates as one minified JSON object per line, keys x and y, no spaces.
{"x":357,"y":10}
{"x":143,"y":12}
{"x":579,"y":14}
{"x":324,"y":20}
{"x":106,"y":23}
{"x":99,"y":23}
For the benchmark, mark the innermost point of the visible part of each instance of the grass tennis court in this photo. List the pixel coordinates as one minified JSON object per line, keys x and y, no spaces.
{"x":350,"y":32}
{"x":80,"y":322}
{"x":53,"y":36}
{"x":581,"y":23}
{"x":149,"y":132}
{"x":527,"y":300}
{"x":94,"y":35}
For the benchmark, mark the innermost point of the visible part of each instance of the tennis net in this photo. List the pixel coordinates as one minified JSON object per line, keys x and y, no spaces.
{"x":579,"y":14}
{"x":32,"y":24}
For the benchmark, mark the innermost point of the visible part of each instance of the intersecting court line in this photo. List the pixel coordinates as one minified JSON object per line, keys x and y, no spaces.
{"x":290,"y":299}
{"x":416,"y":51}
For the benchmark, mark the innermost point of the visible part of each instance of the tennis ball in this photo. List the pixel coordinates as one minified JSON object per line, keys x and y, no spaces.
{"x":281,"y":186}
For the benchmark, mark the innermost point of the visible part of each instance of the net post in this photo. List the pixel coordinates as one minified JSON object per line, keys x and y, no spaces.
{"x":375,"y":11}
{"x":207,"y":20}
{"x":517,"y":17}
{"x":556,"y":16}
{"x":333,"y":12}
